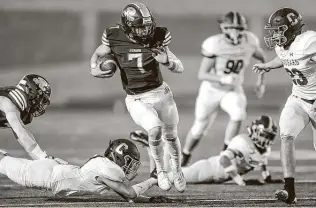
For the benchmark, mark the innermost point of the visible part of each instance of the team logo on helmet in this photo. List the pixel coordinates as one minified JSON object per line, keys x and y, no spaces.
{"x":130,"y":13}
{"x":42,"y":84}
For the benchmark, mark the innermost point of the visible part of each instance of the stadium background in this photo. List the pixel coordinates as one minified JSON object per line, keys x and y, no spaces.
{"x":55,"y":38}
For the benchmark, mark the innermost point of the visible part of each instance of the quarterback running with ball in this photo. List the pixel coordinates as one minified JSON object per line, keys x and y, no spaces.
{"x":296,"y":53}
{"x":225,"y":58}
{"x":139,"y":46}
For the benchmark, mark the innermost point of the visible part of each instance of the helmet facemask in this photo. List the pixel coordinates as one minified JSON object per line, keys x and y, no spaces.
{"x":262,"y":138}
{"x":130,"y":168}
{"x":276,"y":36}
{"x":40,"y":104}
{"x":233,"y":33}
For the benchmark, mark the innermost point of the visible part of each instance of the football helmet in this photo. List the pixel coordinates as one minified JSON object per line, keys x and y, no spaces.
{"x":126,"y":155}
{"x":263,"y":132}
{"x":138,"y":22}
{"x":233,"y":25}
{"x":38,"y":92}
{"x":283,"y":26}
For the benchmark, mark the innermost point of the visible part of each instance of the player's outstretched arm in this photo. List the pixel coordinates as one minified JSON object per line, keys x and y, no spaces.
{"x":127,"y":191}
{"x":266,"y":67}
{"x":24,"y":137}
{"x":260,"y":85}
{"x":229,"y":168}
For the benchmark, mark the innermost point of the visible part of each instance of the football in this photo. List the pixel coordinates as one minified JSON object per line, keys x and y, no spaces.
{"x":108,"y":63}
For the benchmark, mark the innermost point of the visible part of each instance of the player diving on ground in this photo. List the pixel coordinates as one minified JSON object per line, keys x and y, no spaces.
{"x":98,"y":175}
{"x":243,"y":154}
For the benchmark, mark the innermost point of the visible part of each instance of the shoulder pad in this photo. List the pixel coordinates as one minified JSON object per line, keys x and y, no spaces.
{"x":210,"y":46}
{"x":307,"y":38}
{"x":162,"y":35}
{"x":18,"y":97}
{"x":112,"y":171}
{"x":252,"y":38}
{"x":109,"y":33}
{"x":240,"y":143}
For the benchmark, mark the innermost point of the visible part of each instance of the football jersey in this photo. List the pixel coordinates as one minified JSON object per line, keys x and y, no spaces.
{"x":230,"y":59}
{"x":74,"y":180}
{"x":140,"y":72}
{"x":19,"y":99}
{"x":248,"y":157}
{"x":298,"y":64}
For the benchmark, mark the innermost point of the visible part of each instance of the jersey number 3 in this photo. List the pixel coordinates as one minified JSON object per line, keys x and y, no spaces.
{"x":234,"y":66}
{"x":139,"y":60}
{"x":297,"y":77}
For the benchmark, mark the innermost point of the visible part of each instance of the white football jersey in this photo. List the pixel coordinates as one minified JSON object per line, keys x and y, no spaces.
{"x":230,"y":59}
{"x":73,"y":180}
{"x":248,"y":155}
{"x":298,"y":64}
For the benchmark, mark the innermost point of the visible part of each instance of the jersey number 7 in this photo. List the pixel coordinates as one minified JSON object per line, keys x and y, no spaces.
{"x":139,"y":60}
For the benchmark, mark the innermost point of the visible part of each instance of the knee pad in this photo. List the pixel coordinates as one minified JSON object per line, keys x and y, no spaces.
{"x":199,"y":128}
{"x":154,"y":134}
{"x":170,"y":132}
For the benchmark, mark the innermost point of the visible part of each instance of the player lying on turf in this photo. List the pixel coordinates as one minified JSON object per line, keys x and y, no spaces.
{"x":99,"y":174}
{"x":19,"y":104}
{"x":244,"y":153}
{"x":139,"y":48}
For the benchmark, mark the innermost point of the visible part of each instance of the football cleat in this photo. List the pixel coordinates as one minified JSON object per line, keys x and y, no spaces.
{"x":179,"y":182}
{"x":140,"y":137}
{"x":163,"y":181}
{"x":185,"y":159}
{"x":283,"y":195}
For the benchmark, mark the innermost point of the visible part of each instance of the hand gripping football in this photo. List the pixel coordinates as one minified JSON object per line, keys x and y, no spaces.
{"x":108,"y":64}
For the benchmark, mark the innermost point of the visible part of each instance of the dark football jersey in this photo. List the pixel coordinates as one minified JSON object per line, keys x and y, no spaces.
{"x":19,"y":99}
{"x":140,"y":72}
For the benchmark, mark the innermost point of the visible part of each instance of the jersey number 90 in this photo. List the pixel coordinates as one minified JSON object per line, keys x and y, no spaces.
{"x":234,"y":66}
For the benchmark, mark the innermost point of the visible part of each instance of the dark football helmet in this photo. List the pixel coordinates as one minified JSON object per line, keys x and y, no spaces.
{"x":263,"y":132}
{"x":233,"y":25}
{"x":138,"y":22}
{"x":126,"y":155}
{"x":38,"y":92}
{"x":283,"y":26}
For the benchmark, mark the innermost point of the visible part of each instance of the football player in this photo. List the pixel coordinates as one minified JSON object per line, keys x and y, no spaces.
{"x":19,"y":104}
{"x":243,"y":154}
{"x":295,"y":52}
{"x":225,"y":58}
{"x":98,"y":175}
{"x":139,"y":46}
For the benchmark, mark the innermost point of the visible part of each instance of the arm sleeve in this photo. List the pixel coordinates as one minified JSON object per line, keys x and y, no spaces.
{"x":104,"y":38}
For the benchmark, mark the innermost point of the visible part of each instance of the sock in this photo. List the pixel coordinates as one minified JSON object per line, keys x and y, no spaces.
{"x":289,"y":184}
{"x":175,"y":153}
{"x":157,"y":153}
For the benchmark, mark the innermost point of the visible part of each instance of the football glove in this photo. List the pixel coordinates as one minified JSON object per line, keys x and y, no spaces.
{"x":160,"y":54}
{"x":270,"y":180}
{"x":160,"y":199}
{"x":58,"y":160}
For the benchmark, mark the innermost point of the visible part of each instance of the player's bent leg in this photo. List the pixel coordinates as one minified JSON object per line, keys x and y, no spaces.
{"x":205,"y":114}
{"x":234,"y":103}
